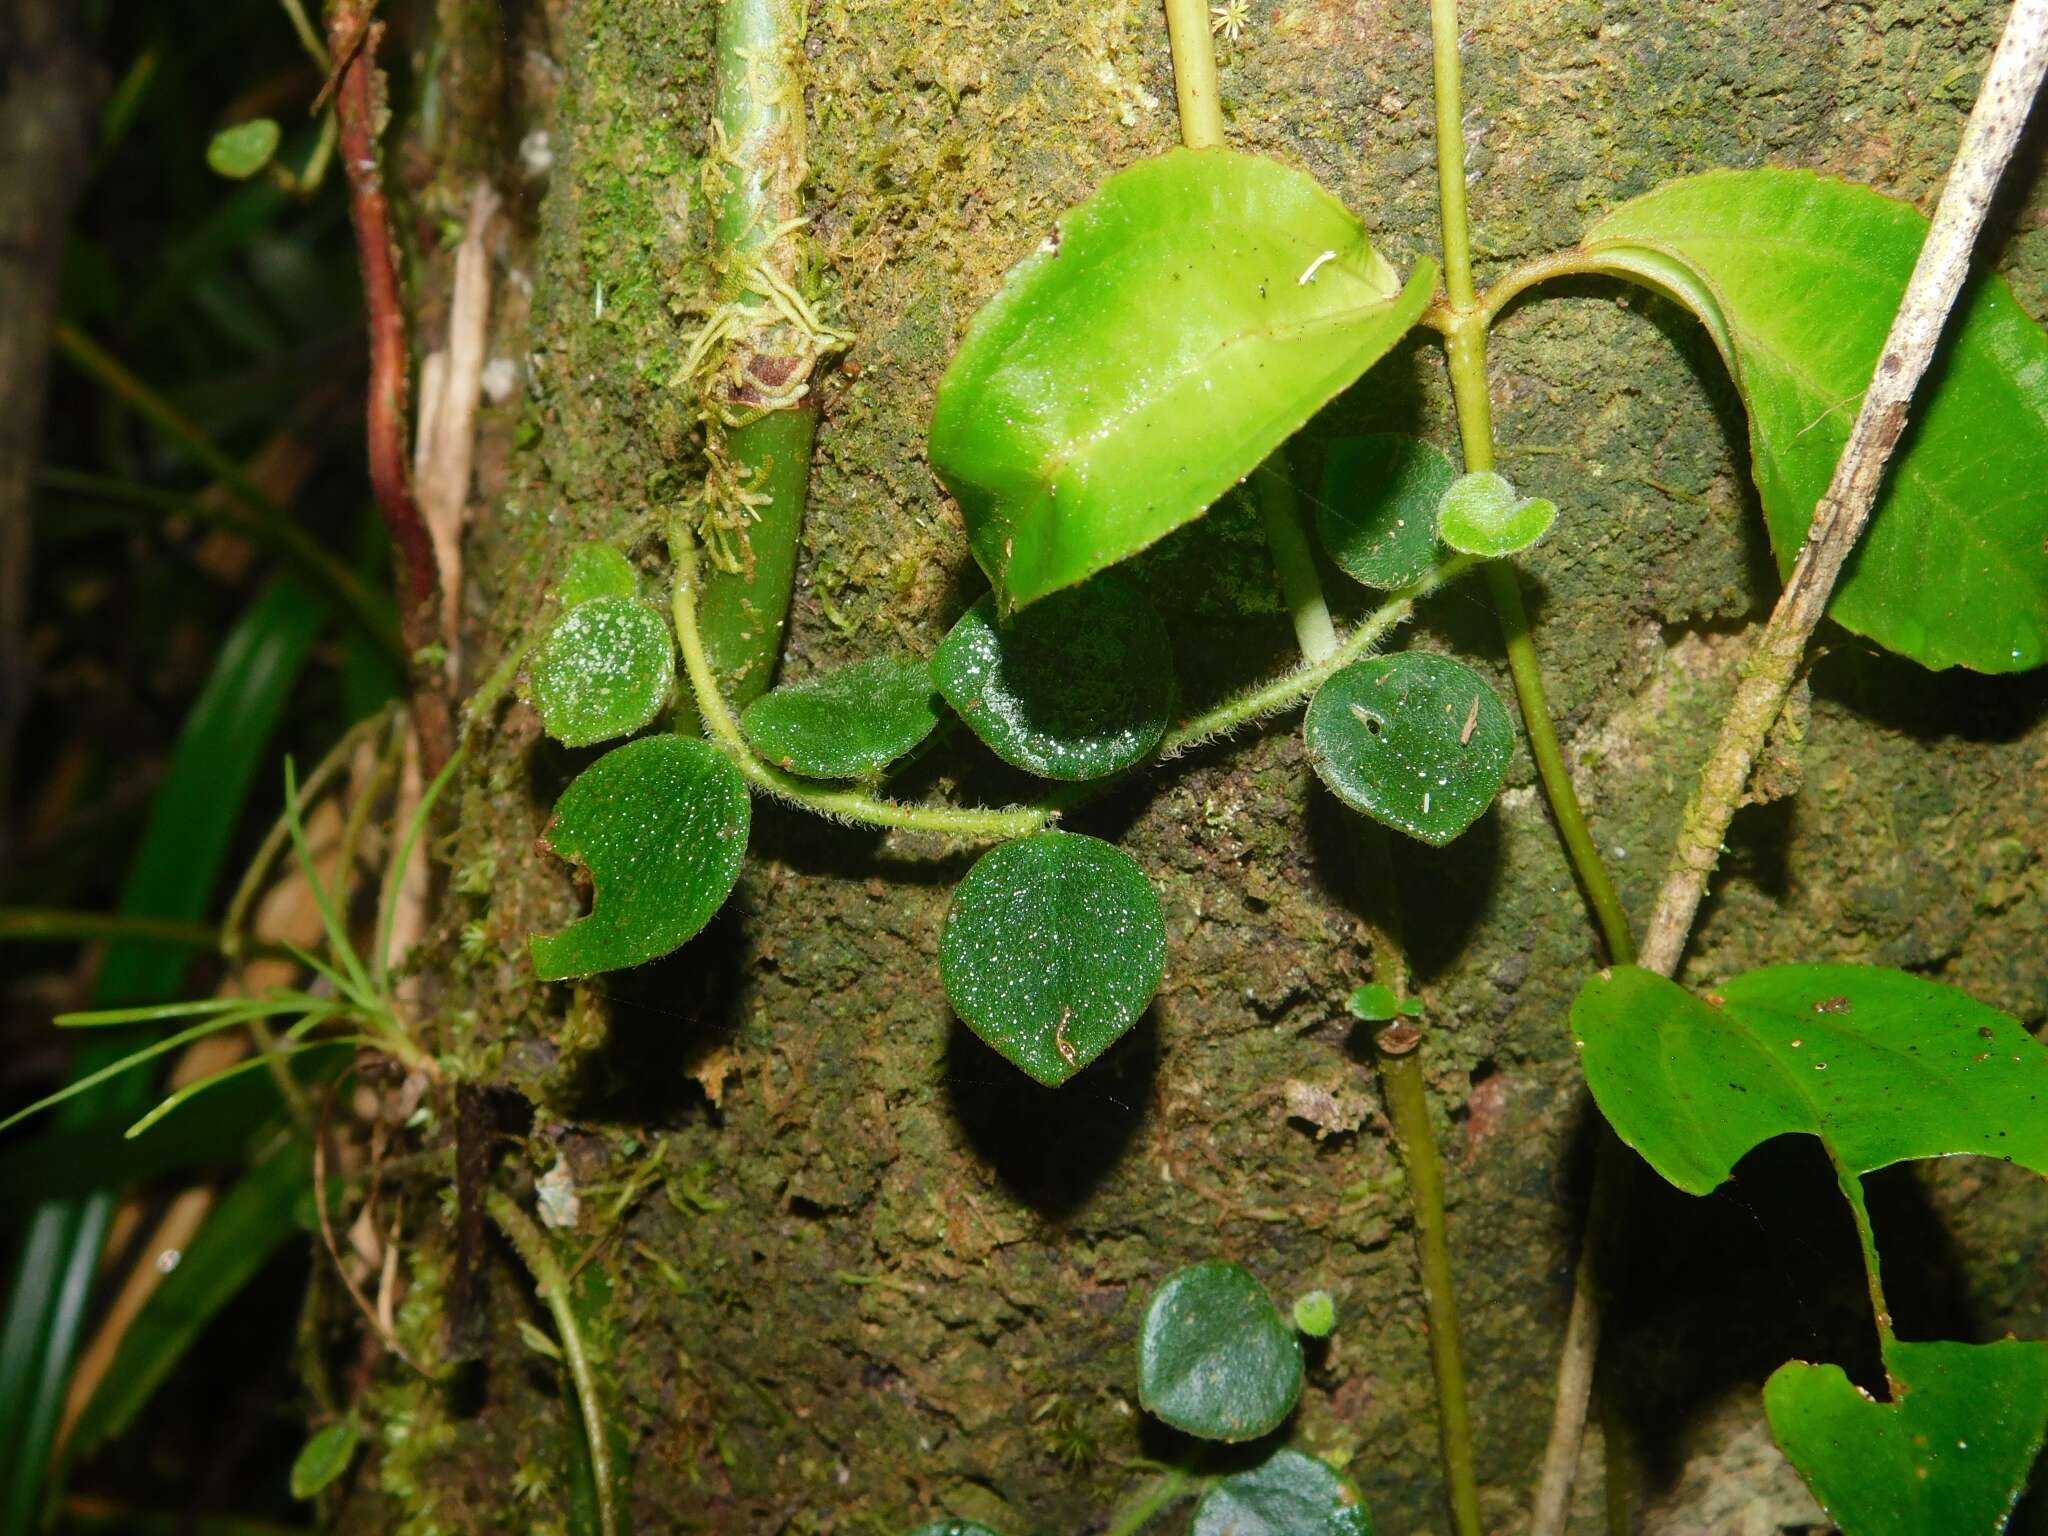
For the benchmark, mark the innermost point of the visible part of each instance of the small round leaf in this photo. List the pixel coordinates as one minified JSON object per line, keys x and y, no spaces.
{"x":1378,"y":511}
{"x":847,"y":722}
{"x":324,"y":1457}
{"x":1315,"y":1314}
{"x":1215,"y":1358}
{"x":1053,"y":947}
{"x":605,"y":670}
{"x":1481,"y":515}
{"x":1414,"y":740}
{"x":595,"y":570}
{"x":241,"y":151}
{"x":661,"y":825}
{"x":1077,"y":686}
{"x":1287,"y":1494}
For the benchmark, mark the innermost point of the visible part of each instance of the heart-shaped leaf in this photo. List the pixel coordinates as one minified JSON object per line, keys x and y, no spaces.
{"x":1481,"y":514}
{"x":1215,"y":1357}
{"x":595,"y":570}
{"x":841,"y":724}
{"x":605,"y":670}
{"x":1053,"y":947}
{"x":1377,"y":515}
{"x":661,"y":825}
{"x":324,"y":1457}
{"x":1415,"y":740}
{"x":1287,"y":1494}
{"x":1950,"y":1455}
{"x":1170,"y":333}
{"x":1076,"y":687}
{"x":1797,"y":278}
{"x":241,"y":151}
{"x":1880,"y":1065}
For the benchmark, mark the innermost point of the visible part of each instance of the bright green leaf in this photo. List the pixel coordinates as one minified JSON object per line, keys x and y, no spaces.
{"x":661,"y":825}
{"x":1880,"y":1065}
{"x":1215,"y":1358}
{"x":325,"y":1457}
{"x":595,"y":570}
{"x":1950,"y":1455}
{"x":1415,"y":740}
{"x":241,"y":151}
{"x":1481,"y":514}
{"x":1287,"y":1494}
{"x":1315,"y":1314}
{"x":847,"y":722}
{"x":1076,"y":687}
{"x":605,"y":670}
{"x":1374,"y":1003}
{"x":1053,"y":947}
{"x":1377,"y":515}
{"x":1169,"y":334}
{"x":1797,"y":278}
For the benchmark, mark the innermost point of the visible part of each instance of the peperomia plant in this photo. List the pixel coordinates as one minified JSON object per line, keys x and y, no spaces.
{"x":1157,"y":351}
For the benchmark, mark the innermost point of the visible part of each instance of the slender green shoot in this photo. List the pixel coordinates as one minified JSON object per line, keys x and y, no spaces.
{"x":387,"y":903}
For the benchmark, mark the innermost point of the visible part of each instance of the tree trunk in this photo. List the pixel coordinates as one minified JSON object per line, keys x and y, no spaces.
{"x":867,"y":1274}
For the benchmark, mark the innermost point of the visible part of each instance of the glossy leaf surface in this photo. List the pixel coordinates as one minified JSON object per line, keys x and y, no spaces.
{"x":1053,"y":947}
{"x":661,"y":825}
{"x":1076,"y":687}
{"x":1377,"y":514}
{"x":1215,"y":1357}
{"x":1287,"y":1494}
{"x":324,"y":1457}
{"x":1881,"y":1065}
{"x":604,"y":671}
{"x":847,"y":722}
{"x":1797,"y":278}
{"x":1168,"y":335}
{"x":1414,"y":740}
{"x":1951,"y":1454}
{"x":1481,"y":514}
{"x":593,"y":571}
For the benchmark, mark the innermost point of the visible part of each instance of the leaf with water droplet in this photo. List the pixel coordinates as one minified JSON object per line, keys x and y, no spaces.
{"x":661,"y":825}
{"x":595,"y":570}
{"x":1415,"y":740}
{"x":1078,"y":686}
{"x":605,"y":670}
{"x":324,"y":1457}
{"x":1377,"y":515}
{"x":1481,"y":514}
{"x":1287,"y":1494}
{"x":1053,"y":947}
{"x":239,"y":152}
{"x":841,"y":724}
{"x":1215,"y":1357}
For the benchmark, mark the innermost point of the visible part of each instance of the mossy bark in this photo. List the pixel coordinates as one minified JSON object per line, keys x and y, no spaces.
{"x":852,"y":1270}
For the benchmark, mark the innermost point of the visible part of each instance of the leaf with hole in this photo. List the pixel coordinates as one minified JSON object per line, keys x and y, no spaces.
{"x":1076,"y":687}
{"x":593,"y":571}
{"x":1215,"y":1357}
{"x":1481,"y":514}
{"x":661,"y":826}
{"x":1053,"y":947}
{"x":1377,"y":514}
{"x":1950,"y":1454}
{"x":605,"y":670}
{"x":1882,"y":1066}
{"x":1169,"y":334}
{"x":324,"y":1457}
{"x":845,"y":723}
{"x":241,"y":151}
{"x":1797,"y":278}
{"x":1414,"y":740}
{"x":1287,"y":1494}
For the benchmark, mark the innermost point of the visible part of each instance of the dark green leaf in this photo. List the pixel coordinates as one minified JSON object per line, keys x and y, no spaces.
{"x":605,"y":670}
{"x":1797,"y":278}
{"x":241,"y":151}
{"x":1169,"y":334}
{"x":1076,"y":687}
{"x":1377,"y":516}
{"x":661,"y":825}
{"x":1215,"y":1358}
{"x":1880,"y":1065}
{"x":1481,"y":514}
{"x":325,"y":1457}
{"x":1950,"y":1455}
{"x":847,"y":722}
{"x":1287,"y":1494}
{"x":1053,"y":947}
{"x":594,"y":571}
{"x":1417,"y":741}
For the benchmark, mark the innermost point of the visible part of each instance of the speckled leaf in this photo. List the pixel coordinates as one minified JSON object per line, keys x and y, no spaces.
{"x":1377,"y":515}
{"x":1287,"y":1494}
{"x":1053,"y":947}
{"x":604,"y":670}
{"x":1417,"y":741}
{"x":1949,"y":1455}
{"x":1481,"y":514}
{"x":1076,"y":687}
{"x":850,"y":721}
{"x":1168,"y":335}
{"x":1215,"y":1357}
{"x":324,"y":1457}
{"x":1797,"y":278}
{"x":661,"y":825}
{"x":241,"y":151}
{"x":593,"y":571}
{"x":1880,"y":1065}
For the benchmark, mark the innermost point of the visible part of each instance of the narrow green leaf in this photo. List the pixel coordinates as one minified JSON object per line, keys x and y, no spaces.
{"x":241,"y":151}
{"x":1414,"y":740}
{"x":324,"y":1457}
{"x":1880,"y":1065}
{"x":1287,"y":1494}
{"x":1169,"y":334}
{"x":1053,"y":947}
{"x":661,"y":825}
{"x":593,"y":571}
{"x":1377,"y":515}
{"x":1215,"y":1357}
{"x":844,"y":723}
{"x":1077,"y":687}
{"x":1950,"y":1455}
{"x":605,"y":670}
{"x":1481,"y":514}
{"x":1797,"y":278}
